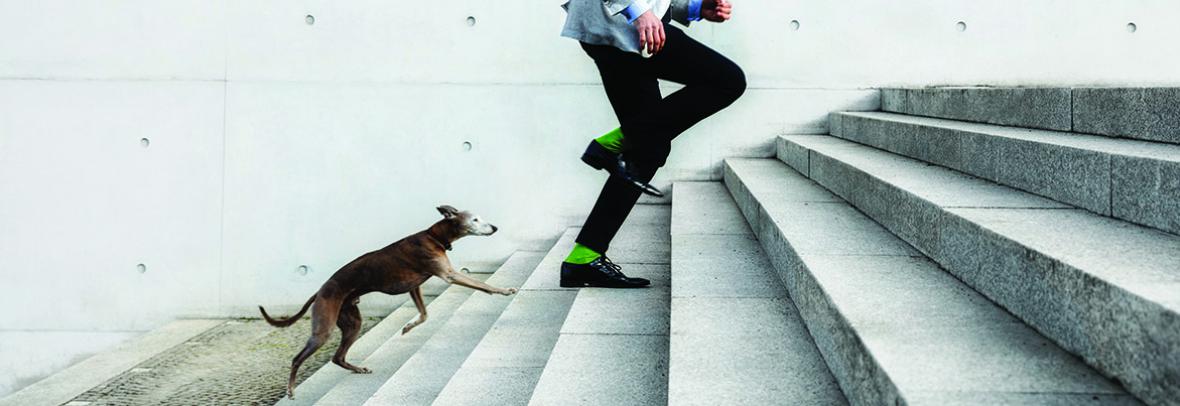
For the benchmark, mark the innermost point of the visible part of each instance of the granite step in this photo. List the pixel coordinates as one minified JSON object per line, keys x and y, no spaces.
{"x":324,"y":379}
{"x":894,"y":327}
{"x":1132,"y":180}
{"x":736,"y":336}
{"x":423,"y":376}
{"x":504,"y":367}
{"x":613,"y":345}
{"x":389,"y":356}
{"x":1151,"y":114}
{"x":1102,"y":288}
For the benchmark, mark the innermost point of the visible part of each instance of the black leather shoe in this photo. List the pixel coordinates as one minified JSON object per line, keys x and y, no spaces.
{"x":598,"y":157}
{"x":599,"y":273}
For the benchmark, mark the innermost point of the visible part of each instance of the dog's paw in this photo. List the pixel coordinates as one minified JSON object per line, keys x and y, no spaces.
{"x":508,"y":292}
{"x":363,"y":370}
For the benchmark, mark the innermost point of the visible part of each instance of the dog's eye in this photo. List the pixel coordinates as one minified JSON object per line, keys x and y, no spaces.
{"x":476,"y":220}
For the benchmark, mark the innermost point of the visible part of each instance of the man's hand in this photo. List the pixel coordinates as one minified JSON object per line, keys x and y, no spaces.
{"x":651,"y":32}
{"x":717,"y":11}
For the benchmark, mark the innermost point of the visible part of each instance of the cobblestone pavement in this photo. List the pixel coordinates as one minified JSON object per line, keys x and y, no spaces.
{"x":241,"y":362}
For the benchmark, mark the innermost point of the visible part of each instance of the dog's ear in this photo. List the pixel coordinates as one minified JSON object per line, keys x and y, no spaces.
{"x":448,"y":211}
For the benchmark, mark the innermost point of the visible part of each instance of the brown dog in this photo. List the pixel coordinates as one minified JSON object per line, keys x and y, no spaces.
{"x":398,"y":268}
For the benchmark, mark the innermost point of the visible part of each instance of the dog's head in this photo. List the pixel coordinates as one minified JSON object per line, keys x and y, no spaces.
{"x":466,"y":223}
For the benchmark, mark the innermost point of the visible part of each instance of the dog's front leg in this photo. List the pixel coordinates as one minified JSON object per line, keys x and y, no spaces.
{"x":416,"y":294}
{"x":448,"y":274}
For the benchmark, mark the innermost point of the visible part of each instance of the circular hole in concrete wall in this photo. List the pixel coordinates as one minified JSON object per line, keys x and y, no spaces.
{"x":470,"y":21}
{"x":144,"y":142}
{"x":961,"y":26}
{"x":310,"y":19}
{"x":794,"y":25}
{"x":302,"y":270}
{"x":1131,"y":27}
{"x":466,"y":145}
{"x":141,"y":268}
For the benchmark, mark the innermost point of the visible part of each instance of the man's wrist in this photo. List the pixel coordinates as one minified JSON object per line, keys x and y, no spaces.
{"x":635,"y":10}
{"x":694,"y":10}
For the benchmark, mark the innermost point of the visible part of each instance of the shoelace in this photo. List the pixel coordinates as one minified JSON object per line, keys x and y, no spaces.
{"x":616,"y":270}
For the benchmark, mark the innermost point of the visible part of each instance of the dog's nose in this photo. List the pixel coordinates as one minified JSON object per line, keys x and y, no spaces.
{"x":494,"y":228}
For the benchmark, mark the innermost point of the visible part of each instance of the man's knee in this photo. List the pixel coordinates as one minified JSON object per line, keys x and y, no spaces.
{"x":734,"y":85}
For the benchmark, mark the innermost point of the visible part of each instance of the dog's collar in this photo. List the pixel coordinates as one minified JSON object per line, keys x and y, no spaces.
{"x":444,"y":245}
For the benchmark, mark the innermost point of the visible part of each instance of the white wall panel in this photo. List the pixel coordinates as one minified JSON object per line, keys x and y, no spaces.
{"x":82,"y":202}
{"x":103,"y":39}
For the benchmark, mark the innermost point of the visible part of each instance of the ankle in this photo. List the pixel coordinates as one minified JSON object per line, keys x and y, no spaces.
{"x":581,"y":255}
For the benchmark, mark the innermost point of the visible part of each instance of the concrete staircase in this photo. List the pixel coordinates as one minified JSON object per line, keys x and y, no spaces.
{"x":964,"y":246}
{"x":955,"y":258}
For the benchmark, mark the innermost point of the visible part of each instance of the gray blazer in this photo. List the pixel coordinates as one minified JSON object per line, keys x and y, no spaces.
{"x":601,"y":22}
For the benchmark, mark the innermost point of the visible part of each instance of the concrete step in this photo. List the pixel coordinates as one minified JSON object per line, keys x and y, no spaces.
{"x":1133,"y":180}
{"x":391,"y":354}
{"x":1151,"y":114}
{"x":423,"y":376}
{"x":613,"y":346}
{"x":324,"y":379}
{"x":504,"y":367}
{"x":1101,"y":288}
{"x":894,"y":327}
{"x":736,"y":336}
{"x":67,"y":384}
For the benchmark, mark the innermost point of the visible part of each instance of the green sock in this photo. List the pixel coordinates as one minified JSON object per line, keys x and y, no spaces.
{"x":582,"y":255}
{"x":612,"y":141}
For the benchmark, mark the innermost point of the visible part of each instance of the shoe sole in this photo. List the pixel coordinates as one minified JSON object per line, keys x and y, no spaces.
{"x":653,"y":191}
{"x":591,"y":285}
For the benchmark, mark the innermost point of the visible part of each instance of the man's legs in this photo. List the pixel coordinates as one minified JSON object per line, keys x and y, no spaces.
{"x":649,"y":122}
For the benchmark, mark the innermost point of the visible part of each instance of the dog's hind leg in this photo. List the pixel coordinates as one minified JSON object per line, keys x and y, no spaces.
{"x":323,"y":316}
{"x":350,"y":328}
{"x":416,"y":294}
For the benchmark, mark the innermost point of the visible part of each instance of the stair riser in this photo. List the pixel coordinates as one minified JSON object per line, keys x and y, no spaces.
{"x":1033,"y":108}
{"x":1109,"y":327}
{"x":1151,"y":114}
{"x":1137,"y":189}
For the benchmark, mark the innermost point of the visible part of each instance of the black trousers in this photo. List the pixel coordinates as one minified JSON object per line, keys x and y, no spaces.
{"x":650,"y":122}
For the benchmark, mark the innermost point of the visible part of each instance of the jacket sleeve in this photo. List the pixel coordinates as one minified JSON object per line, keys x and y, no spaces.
{"x":679,"y":11}
{"x":616,"y":6}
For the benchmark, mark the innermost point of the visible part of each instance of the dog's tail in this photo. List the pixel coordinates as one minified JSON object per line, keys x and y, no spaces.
{"x":290,"y":320}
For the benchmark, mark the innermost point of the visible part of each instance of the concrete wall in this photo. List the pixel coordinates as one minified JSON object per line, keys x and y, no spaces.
{"x":274,"y":143}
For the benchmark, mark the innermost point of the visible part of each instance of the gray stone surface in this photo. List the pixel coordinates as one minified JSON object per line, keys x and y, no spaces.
{"x":705,"y":208}
{"x":63,"y":386}
{"x":601,"y":369}
{"x":501,"y":386}
{"x":548,"y":273}
{"x":1126,"y":178}
{"x":424,"y":375}
{"x":619,"y":311}
{"x":525,"y":333}
{"x":736,"y":337}
{"x":722,"y":266}
{"x":507,"y":363}
{"x":1151,"y":114}
{"x":324,"y":379}
{"x":1105,"y":289}
{"x":794,"y":156}
{"x":891,"y":325}
{"x":892,"y":100}
{"x":1147,"y":191}
{"x":613,"y":347}
{"x":1047,"y":108}
{"x":387,"y":359}
{"x":745,"y":351}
